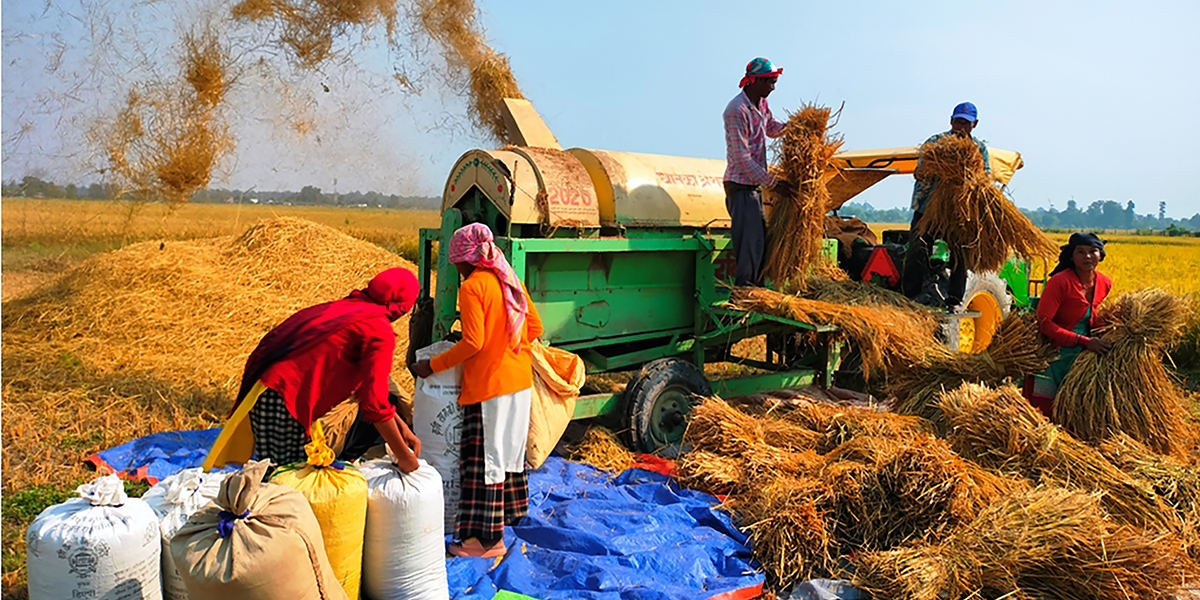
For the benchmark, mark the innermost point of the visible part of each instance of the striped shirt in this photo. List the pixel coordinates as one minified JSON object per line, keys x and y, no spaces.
{"x":923,"y":188}
{"x":747,"y":128}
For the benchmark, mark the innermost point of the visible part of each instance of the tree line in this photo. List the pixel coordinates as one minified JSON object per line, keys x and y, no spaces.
{"x":35,"y":187}
{"x":1099,"y":215}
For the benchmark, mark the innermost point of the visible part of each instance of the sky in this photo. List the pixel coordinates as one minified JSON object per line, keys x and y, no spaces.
{"x":1101,"y":98}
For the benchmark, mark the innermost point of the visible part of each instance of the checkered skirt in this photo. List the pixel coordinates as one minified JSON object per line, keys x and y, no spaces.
{"x":278,"y":436}
{"x":484,"y":510}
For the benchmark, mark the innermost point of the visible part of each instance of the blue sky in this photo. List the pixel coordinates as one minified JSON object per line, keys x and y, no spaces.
{"x":1101,"y":98}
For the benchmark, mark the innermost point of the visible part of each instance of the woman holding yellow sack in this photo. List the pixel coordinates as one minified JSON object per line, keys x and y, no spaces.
{"x":313,"y":361}
{"x":499,"y":322}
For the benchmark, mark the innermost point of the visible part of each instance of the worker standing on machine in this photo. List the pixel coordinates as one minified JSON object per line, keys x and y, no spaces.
{"x":916,"y":261}
{"x":499,"y":322}
{"x":748,"y":122}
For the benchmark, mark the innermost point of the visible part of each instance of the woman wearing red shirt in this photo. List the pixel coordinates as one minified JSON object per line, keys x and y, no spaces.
{"x":1066,"y":314}
{"x":498,"y":323}
{"x":313,"y":361}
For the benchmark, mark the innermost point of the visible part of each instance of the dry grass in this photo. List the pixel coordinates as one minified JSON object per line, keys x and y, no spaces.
{"x":1176,"y":482}
{"x":1045,"y":543}
{"x":796,"y":225}
{"x":153,"y":337}
{"x":1000,"y":429}
{"x":601,"y":449}
{"x":882,"y":334}
{"x":1015,"y":351}
{"x":309,"y":27}
{"x":1128,"y":389}
{"x":966,"y":209}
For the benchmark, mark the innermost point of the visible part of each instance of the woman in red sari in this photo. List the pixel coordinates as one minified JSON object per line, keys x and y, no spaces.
{"x":1066,"y":314}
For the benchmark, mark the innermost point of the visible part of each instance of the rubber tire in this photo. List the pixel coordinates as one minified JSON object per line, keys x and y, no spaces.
{"x":663,"y":376}
{"x":978,"y":283}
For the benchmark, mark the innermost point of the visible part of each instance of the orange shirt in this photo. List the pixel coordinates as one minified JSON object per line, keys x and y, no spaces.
{"x":490,"y":367}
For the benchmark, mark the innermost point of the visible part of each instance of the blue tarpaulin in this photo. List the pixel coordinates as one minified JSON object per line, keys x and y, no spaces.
{"x":588,"y":536}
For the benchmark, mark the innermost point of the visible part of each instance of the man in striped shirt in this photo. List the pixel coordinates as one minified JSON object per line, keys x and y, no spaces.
{"x":748,"y":122}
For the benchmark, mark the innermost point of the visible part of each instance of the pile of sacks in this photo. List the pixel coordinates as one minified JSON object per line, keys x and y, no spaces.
{"x":317,"y":530}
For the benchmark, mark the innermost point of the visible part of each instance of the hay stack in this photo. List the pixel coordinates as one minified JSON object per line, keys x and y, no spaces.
{"x":601,"y":449}
{"x":1000,"y":429}
{"x":1128,"y":389}
{"x":797,"y":222}
{"x":153,"y":337}
{"x":1015,"y":351}
{"x":882,"y":334}
{"x":1045,"y":543}
{"x":966,"y":209}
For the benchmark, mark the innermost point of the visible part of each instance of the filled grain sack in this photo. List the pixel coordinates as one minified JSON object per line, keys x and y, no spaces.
{"x":173,"y":500}
{"x":404,"y":555}
{"x":557,"y":377}
{"x":103,"y":544}
{"x":437,"y":422}
{"x":337,"y":493}
{"x":255,"y":541}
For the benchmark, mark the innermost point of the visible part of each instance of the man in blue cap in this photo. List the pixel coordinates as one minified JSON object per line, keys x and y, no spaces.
{"x":748,"y":124}
{"x":916,"y":262}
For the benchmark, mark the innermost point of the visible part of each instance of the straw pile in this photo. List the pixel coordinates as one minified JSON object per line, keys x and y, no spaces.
{"x":882,"y":334}
{"x":1045,"y":543}
{"x":797,"y":221}
{"x":1015,"y":351}
{"x":980,"y":226}
{"x":601,"y":449}
{"x":1000,"y":429}
{"x":489,"y":78}
{"x":1177,"y":483}
{"x":1128,"y":390}
{"x":855,"y":293}
{"x":164,"y":142}
{"x":309,"y":27}
{"x":153,"y":337}
{"x":885,"y":483}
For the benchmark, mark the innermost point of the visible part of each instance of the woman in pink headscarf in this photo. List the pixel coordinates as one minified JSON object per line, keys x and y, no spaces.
{"x":498,"y":323}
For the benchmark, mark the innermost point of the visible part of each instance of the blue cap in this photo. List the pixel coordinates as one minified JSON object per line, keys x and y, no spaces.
{"x":967,"y":111}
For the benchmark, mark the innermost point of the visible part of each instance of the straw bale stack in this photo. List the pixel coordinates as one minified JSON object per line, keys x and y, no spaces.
{"x":882,"y":334}
{"x":1000,"y":429}
{"x":1015,"y":351}
{"x":1128,"y":390}
{"x":1049,"y":542}
{"x":797,"y":222}
{"x":153,"y":337}
{"x":981,"y":227}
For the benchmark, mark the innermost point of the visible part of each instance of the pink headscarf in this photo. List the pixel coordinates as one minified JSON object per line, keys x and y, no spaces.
{"x":474,"y":244}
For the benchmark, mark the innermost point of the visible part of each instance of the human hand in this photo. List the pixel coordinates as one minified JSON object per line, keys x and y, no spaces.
{"x":1098,"y":345}
{"x":421,"y":369}
{"x":410,"y":438}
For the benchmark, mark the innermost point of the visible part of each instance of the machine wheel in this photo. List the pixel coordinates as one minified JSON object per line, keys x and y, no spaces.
{"x":658,"y":401}
{"x":986,"y":294}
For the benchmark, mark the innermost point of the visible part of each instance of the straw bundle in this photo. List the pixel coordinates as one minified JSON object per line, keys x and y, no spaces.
{"x":309,"y":27}
{"x":797,"y":221}
{"x":839,"y":424}
{"x":768,"y":447}
{"x":452,"y":24}
{"x":1045,"y":543}
{"x":882,"y":334}
{"x":788,"y":521}
{"x":1000,"y":429}
{"x":1015,"y":351}
{"x":1128,"y":389}
{"x":153,"y":337}
{"x":1177,"y":483}
{"x":980,"y":226}
{"x":855,"y":293}
{"x":600,"y":448}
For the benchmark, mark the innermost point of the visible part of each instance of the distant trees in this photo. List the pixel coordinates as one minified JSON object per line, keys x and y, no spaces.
{"x":1099,"y":215}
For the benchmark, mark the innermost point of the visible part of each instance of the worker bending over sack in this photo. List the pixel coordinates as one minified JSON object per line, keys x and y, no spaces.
{"x":499,"y":322}
{"x":1066,"y":314}
{"x":312,"y":362}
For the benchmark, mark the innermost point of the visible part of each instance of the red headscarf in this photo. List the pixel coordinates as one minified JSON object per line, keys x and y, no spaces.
{"x":474,"y":244}
{"x":390,"y":294}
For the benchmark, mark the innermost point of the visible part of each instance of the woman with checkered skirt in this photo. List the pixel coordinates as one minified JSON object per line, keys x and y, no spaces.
{"x":313,"y":361}
{"x":498,"y":323}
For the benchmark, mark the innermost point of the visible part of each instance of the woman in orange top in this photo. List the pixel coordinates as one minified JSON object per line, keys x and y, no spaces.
{"x":498,"y":323}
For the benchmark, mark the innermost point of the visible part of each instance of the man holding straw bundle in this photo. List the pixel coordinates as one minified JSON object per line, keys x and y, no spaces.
{"x":916,"y":261}
{"x":748,"y":124}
